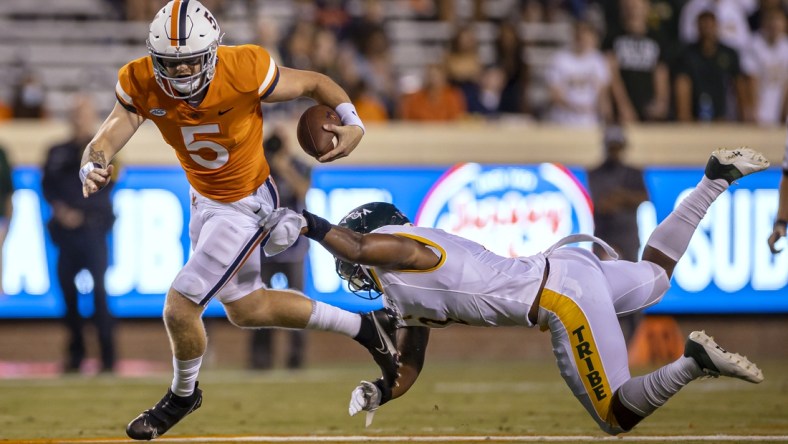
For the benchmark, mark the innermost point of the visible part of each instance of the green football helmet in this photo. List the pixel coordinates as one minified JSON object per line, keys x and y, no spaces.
{"x":365,"y":219}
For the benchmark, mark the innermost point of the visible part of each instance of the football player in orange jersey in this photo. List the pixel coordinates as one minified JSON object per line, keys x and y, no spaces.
{"x":206,"y":101}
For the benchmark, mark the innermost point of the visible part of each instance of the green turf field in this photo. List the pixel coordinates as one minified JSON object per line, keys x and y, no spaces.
{"x":473,"y":398}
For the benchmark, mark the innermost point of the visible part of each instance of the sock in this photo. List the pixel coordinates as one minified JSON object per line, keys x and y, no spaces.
{"x":367,"y":333}
{"x":185,"y":377}
{"x":673,"y":235}
{"x":329,"y":318}
{"x":644,"y":394}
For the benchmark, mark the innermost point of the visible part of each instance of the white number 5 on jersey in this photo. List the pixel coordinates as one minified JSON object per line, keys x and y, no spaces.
{"x":194,"y":146}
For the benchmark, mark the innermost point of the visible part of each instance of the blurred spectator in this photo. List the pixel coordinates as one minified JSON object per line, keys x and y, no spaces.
{"x":578,"y":80}
{"x":423,"y":9}
{"x":347,"y":67}
{"x":532,"y":11}
{"x":285,"y":270}
{"x":485,"y":99}
{"x":29,"y":95}
{"x":662,"y":21}
{"x":707,"y":72}
{"x":331,"y":15}
{"x":268,"y":36}
{"x":324,"y":53}
{"x":360,"y":29}
{"x":510,"y":57}
{"x":733,"y":29}
{"x":436,"y":101}
{"x":766,"y":64}
{"x":142,"y":10}
{"x":463,"y":65}
{"x":640,"y":78}
{"x":79,"y":228}
{"x":548,"y":11}
{"x":376,"y":69}
{"x":617,"y":190}
{"x":296,"y":51}
{"x":663,"y":24}
{"x":451,"y":11}
{"x":368,"y":107}
{"x":6,"y":205}
{"x":756,"y":18}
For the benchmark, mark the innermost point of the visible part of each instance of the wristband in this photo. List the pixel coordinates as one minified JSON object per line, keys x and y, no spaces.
{"x":316,"y":226}
{"x":781,"y":222}
{"x":86,"y":169}
{"x":347,"y":113}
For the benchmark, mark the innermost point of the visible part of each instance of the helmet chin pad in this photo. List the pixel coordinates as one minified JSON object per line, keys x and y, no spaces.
{"x":186,"y":86}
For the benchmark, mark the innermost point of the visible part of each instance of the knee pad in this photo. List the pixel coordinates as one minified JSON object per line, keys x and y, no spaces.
{"x":190,"y":284}
{"x":220,"y":246}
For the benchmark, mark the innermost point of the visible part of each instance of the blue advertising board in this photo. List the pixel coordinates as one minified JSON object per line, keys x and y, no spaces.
{"x":513,"y":210}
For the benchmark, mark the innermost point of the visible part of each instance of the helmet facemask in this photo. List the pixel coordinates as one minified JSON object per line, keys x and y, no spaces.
{"x":365,"y":219}
{"x":188,"y":86}
{"x":358,"y":280}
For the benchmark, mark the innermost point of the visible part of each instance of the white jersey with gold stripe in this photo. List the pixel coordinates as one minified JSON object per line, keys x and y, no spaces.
{"x":470,"y":285}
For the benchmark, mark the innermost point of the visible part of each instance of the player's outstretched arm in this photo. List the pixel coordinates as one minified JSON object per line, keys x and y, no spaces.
{"x":374,"y":249}
{"x":294,"y":83}
{"x":113,"y":134}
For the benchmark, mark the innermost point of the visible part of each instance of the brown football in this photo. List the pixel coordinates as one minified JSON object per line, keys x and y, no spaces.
{"x":314,"y":140}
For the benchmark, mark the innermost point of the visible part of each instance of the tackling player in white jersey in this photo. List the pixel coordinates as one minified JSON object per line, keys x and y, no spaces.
{"x":431,"y":278}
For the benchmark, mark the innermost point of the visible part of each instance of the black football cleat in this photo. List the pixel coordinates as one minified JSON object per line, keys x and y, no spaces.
{"x":378,"y":335}
{"x":156,"y":421}
{"x":715,"y":361}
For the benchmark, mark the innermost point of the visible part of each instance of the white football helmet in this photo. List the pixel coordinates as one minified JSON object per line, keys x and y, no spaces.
{"x":183,"y":32}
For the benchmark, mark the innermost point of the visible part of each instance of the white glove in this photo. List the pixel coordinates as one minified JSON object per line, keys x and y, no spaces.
{"x":365,"y":397}
{"x":284,"y":226}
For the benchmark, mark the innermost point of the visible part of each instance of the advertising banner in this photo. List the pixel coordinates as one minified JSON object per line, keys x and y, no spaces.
{"x":513,"y":210}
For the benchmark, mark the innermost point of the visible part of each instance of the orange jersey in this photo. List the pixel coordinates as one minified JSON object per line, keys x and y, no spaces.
{"x":219,"y":143}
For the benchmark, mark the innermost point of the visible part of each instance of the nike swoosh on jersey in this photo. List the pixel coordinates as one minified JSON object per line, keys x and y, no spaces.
{"x":223,"y":112}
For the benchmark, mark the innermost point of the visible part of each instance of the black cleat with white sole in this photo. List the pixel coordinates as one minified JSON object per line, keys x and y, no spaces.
{"x":715,"y":361}
{"x":733,"y":164}
{"x":156,"y":421}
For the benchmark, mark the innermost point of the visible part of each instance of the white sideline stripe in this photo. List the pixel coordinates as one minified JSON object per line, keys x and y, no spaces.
{"x":448,"y":438}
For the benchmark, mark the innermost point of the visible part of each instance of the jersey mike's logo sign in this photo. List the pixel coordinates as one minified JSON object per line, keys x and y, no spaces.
{"x":512,"y":210}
